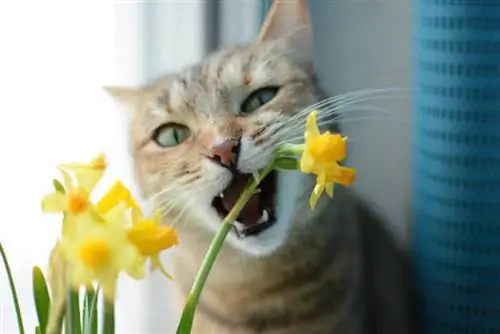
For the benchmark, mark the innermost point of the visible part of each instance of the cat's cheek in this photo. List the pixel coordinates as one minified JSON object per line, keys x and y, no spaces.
{"x":219,"y":178}
{"x":252,"y":158}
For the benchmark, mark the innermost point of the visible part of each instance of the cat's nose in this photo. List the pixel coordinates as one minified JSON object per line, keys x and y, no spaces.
{"x":226,"y":154}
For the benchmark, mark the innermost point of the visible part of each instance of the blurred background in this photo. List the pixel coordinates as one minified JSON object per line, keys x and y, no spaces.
{"x":55,"y":56}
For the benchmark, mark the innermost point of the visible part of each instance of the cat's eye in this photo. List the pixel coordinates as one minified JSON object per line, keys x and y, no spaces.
{"x":171,"y":134}
{"x":258,"y":98}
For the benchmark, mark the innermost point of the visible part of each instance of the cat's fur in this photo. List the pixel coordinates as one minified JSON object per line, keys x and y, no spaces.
{"x":334,"y":270}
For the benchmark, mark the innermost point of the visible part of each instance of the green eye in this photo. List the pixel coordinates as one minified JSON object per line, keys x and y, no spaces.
{"x":171,"y":134}
{"x":258,"y":98}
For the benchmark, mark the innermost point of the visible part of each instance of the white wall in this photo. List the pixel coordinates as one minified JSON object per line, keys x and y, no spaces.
{"x":55,"y":55}
{"x":365,"y":45}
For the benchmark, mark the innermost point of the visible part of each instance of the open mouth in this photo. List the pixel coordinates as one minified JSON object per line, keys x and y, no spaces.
{"x":259,"y":212}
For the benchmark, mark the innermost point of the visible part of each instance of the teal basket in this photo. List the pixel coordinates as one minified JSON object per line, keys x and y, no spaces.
{"x":457,"y":165}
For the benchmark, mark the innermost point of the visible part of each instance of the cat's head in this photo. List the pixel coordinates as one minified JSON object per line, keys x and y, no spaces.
{"x":198,"y":135}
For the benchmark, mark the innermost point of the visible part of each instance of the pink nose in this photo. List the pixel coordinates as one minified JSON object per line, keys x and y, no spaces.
{"x":226,"y":153}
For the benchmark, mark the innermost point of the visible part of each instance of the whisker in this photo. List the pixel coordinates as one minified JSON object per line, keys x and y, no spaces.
{"x":351,"y":120}
{"x":329,"y":106}
{"x":338,"y":110}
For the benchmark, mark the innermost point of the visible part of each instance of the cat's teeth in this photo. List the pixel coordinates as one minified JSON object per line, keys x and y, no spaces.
{"x":221,"y":195}
{"x":264,"y":218}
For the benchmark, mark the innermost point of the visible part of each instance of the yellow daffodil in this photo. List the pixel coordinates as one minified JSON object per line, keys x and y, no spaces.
{"x":151,"y":238}
{"x":118,"y":193}
{"x":100,"y":251}
{"x":321,"y":156}
{"x":75,"y":198}
{"x":343,"y":175}
{"x":88,"y":174}
{"x":321,"y":150}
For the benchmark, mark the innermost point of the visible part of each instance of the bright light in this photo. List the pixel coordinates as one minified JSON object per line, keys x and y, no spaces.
{"x":54,"y":57}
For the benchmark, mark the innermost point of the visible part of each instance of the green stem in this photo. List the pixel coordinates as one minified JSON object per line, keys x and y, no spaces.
{"x":73,"y":322}
{"x":108,"y":326}
{"x":13,"y":291}
{"x":291,"y":149}
{"x":187,"y":317}
{"x":90,"y":310}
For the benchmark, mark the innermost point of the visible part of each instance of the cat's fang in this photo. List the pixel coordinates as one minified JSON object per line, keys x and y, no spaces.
{"x":265,"y":217}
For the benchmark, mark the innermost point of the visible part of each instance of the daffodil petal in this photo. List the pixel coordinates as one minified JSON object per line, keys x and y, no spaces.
{"x":117,"y":216}
{"x":67,"y":180}
{"x":137,"y":269}
{"x":313,"y":200}
{"x":88,"y":178}
{"x":108,"y":285}
{"x":118,"y":193}
{"x":329,"y":189}
{"x":54,"y":203}
{"x":347,"y":176}
{"x":157,"y":265}
{"x":306,"y":163}
{"x":311,"y":126}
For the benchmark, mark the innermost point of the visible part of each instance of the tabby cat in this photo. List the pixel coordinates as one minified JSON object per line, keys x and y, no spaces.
{"x":196,"y":138}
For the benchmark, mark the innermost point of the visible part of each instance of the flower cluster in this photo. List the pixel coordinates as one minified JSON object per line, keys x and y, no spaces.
{"x":103,"y":239}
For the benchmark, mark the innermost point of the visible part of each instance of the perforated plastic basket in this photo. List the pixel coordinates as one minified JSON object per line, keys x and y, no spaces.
{"x":457,"y":164}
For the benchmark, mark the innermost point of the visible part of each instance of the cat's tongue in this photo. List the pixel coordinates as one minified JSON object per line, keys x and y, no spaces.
{"x":251,"y":212}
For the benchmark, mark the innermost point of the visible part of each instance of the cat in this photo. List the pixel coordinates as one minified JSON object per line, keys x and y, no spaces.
{"x":197,"y":136}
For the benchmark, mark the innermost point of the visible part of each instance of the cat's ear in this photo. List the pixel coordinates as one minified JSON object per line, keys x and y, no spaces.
{"x":124,"y":95}
{"x":289,"y":21}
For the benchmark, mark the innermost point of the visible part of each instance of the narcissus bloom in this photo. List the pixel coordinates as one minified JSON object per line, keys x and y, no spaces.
{"x":151,"y":238}
{"x":118,"y":193}
{"x":99,"y":251}
{"x":321,"y":156}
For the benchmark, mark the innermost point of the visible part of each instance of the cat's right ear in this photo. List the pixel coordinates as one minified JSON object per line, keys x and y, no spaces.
{"x":126,"y":96}
{"x":286,"y":18}
{"x":288,"y":21}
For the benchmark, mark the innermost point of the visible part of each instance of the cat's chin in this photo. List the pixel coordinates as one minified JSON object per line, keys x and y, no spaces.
{"x":262,"y":244}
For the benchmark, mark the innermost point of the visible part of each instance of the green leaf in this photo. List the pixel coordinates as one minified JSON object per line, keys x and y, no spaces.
{"x":286,"y":163}
{"x":15,"y":299}
{"x":73,"y":323}
{"x":90,"y":310}
{"x":42,"y":298}
{"x":60,"y":321}
{"x":108,"y":326}
{"x":58,"y":186}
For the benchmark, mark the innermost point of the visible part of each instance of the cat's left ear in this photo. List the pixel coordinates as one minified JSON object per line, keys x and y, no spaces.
{"x":289,"y":22}
{"x":127,"y":96}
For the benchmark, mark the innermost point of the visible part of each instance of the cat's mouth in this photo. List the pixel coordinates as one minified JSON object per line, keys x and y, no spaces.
{"x":259,"y":212}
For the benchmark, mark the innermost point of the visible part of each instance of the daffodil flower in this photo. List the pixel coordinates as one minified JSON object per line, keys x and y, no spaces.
{"x":343,"y":175}
{"x":150,"y":238}
{"x":100,"y":251}
{"x":321,"y":155}
{"x":118,"y":193}
{"x":88,"y":174}
{"x":75,"y":199}
{"x":322,"y":151}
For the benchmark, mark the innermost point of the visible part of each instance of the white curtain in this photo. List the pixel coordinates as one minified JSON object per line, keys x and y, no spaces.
{"x":54,"y":57}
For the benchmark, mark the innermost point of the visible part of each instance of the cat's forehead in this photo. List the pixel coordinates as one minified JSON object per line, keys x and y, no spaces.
{"x":226,"y":69}
{"x":220,"y":82}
